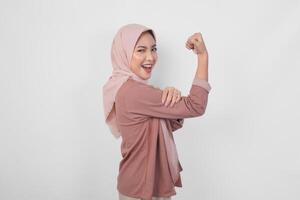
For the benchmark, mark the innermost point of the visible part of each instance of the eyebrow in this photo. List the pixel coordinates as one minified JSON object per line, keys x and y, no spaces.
{"x":146,"y":47}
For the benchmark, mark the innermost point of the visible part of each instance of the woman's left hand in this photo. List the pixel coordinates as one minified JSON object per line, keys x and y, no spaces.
{"x":170,"y":94}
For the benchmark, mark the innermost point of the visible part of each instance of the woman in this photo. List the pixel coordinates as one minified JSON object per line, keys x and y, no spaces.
{"x":137,"y":111}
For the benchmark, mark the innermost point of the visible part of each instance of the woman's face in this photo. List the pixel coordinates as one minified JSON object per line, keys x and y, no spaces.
{"x":144,"y":56}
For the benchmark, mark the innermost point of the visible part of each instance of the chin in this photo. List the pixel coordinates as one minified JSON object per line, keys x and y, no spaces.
{"x":143,"y":75}
{"x":147,"y":77}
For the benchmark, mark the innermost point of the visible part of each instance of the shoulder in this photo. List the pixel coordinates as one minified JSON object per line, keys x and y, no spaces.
{"x":134,"y":87}
{"x":133,"y":90}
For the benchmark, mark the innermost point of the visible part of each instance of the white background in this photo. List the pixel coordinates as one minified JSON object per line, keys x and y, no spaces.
{"x":55,"y":58}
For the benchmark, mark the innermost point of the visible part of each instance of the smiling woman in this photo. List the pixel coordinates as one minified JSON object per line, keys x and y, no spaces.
{"x":150,"y":168}
{"x":144,"y":55}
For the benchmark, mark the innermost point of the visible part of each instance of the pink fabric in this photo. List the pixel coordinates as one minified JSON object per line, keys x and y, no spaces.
{"x":171,"y":151}
{"x":121,"y":53}
{"x":150,"y":165}
{"x":124,"y":197}
{"x":169,"y":140}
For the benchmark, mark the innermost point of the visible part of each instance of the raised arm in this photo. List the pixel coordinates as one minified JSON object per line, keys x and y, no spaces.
{"x":145,"y":100}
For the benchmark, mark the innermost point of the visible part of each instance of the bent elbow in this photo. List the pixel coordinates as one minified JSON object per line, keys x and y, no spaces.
{"x":201,"y":107}
{"x":198,"y":107}
{"x":200,"y":111}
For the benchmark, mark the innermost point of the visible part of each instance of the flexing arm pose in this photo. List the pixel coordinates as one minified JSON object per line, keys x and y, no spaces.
{"x":195,"y":42}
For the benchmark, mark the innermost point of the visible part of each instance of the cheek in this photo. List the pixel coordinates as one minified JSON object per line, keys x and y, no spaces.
{"x":138,"y":57}
{"x":135,"y":63}
{"x":136,"y":60}
{"x":155,"y":57}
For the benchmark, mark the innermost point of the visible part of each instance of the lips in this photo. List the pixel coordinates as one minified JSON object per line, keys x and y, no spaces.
{"x":147,"y":67}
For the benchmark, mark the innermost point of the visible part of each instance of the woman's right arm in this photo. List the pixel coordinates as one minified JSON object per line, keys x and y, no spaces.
{"x":145,"y":100}
{"x":196,"y":43}
{"x":202,"y":69}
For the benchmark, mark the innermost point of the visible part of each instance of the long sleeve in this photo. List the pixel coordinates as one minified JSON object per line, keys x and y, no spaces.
{"x":145,"y":101}
{"x":148,"y":167}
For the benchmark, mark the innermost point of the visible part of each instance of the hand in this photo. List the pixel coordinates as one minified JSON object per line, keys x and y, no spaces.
{"x":196,"y":43}
{"x":171,"y":94}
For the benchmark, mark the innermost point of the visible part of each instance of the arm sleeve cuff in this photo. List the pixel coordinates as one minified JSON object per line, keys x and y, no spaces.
{"x":202,"y":83}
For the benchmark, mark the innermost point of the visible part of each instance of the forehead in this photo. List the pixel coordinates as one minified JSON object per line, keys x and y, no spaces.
{"x":146,"y":38}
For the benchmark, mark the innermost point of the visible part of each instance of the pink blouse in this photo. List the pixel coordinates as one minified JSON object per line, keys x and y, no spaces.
{"x":144,"y":170}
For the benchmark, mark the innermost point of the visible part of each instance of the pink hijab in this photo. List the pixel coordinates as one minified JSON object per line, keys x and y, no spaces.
{"x":121,"y":53}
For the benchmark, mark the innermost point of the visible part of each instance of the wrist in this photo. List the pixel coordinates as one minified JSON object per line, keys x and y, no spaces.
{"x":203,"y":55}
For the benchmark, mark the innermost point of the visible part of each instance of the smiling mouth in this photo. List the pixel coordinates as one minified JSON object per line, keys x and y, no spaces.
{"x":147,"y":68}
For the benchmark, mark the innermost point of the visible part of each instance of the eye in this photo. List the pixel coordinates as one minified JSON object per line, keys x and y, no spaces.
{"x":154,"y":49}
{"x":141,"y":50}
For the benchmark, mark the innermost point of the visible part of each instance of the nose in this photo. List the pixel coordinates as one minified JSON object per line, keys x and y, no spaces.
{"x":150,"y":56}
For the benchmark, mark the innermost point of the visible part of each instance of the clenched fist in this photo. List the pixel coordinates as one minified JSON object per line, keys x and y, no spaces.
{"x":196,"y":43}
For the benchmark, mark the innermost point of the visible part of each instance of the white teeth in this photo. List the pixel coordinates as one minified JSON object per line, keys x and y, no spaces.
{"x":147,"y":66}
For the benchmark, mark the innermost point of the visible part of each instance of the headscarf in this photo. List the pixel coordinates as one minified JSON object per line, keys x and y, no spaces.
{"x":121,"y":53}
